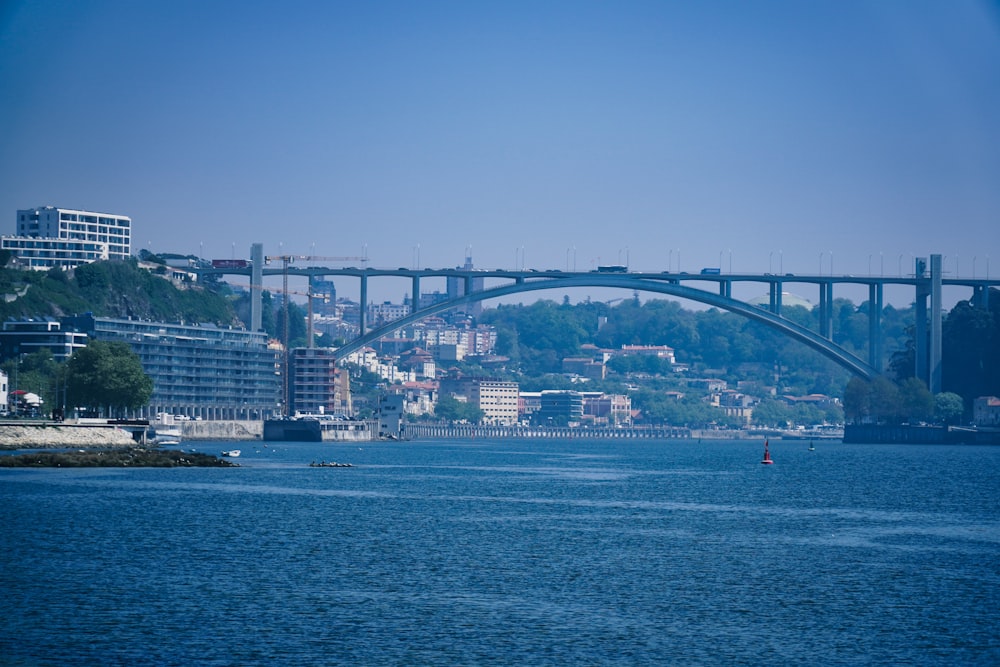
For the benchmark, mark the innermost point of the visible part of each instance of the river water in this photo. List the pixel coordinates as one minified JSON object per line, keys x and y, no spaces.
{"x":509,"y":552}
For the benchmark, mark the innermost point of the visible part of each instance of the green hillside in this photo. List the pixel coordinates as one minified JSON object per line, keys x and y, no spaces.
{"x":112,"y":289}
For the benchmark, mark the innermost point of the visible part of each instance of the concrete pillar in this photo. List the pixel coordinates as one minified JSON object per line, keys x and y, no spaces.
{"x":920,"y":326}
{"x":256,"y":285}
{"x":363,"y":311}
{"x":416,"y":295}
{"x":875,"y":326}
{"x":826,"y":310}
{"x":935,"y":340}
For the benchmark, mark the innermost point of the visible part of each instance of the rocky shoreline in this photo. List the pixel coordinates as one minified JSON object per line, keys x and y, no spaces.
{"x":121,"y":457}
{"x":57,"y":436}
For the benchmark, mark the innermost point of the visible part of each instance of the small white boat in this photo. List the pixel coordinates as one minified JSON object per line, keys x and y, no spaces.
{"x":232,"y":453}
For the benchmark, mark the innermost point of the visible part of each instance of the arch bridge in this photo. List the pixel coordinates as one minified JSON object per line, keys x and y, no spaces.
{"x":468,"y":286}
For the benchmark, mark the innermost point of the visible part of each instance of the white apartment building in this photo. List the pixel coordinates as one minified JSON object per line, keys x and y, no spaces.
{"x":50,"y":236}
{"x":497,"y":399}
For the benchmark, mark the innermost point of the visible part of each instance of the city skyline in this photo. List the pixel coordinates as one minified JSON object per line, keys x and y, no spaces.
{"x":828,"y":137}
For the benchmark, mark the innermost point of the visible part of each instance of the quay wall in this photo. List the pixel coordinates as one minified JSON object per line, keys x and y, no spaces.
{"x":352,"y":431}
{"x":919,"y":435}
{"x":239,"y":430}
{"x":417,"y":431}
{"x":221,"y":430}
{"x":50,"y":435}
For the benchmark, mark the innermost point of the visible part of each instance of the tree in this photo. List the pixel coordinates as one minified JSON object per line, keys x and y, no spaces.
{"x":857,"y":400}
{"x":916,"y":401}
{"x":885,"y":400}
{"x":772,"y":412}
{"x":451,"y":409}
{"x":948,"y":407}
{"x":107,"y":377}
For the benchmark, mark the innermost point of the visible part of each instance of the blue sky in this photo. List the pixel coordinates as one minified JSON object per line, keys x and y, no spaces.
{"x":821,"y":134}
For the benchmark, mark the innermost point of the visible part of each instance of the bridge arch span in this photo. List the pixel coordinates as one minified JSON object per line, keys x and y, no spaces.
{"x":795,"y":331}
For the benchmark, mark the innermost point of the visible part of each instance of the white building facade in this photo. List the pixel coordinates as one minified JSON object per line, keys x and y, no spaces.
{"x":50,"y":236}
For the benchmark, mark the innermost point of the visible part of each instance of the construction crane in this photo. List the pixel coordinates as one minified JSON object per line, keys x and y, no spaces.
{"x":285,"y":261}
{"x":310,"y":297}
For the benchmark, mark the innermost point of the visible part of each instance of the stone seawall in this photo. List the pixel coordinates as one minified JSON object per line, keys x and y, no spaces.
{"x":415,"y":431}
{"x":354,"y":431}
{"x":221,"y":430}
{"x":40,"y":436}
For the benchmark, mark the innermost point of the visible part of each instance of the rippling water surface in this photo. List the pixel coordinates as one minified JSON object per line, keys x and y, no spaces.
{"x":509,"y":552}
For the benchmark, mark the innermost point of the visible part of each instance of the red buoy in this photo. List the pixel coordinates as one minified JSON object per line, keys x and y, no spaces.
{"x":767,"y":455}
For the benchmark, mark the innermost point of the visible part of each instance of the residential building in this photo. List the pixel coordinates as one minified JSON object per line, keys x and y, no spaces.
{"x":452,"y":342}
{"x":559,"y":408}
{"x":317,"y":386}
{"x":324,"y":296}
{"x":986,"y":411}
{"x":660,"y":351}
{"x":737,"y":405}
{"x":385,"y":312}
{"x":390,"y":415}
{"x":584,"y":367}
{"x":32,"y":335}
{"x":200,"y":371}
{"x":419,"y":398}
{"x":49,"y":237}
{"x":498,"y":399}
{"x":610,"y":409}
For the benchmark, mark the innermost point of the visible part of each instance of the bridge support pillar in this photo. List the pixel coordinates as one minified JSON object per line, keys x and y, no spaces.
{"x":875,"y":326}
{"x":256,"y":286}
{"x":920,"y":326}
{"x":934,"y":384}
{"x":415,"y":302}
{"x":927,"y":363}
{"x":726,"y":288}
{"x":363,"y":310}
{"x":826,"y":310}
{"x":774,"y":298}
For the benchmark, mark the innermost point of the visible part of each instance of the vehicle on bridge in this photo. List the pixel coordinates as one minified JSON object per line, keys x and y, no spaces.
{"x":710,"y":271}
{"x":612,"y":268}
